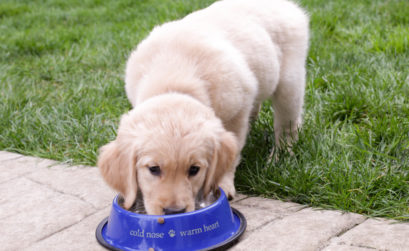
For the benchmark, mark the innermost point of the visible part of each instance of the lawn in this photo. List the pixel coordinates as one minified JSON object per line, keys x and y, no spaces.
{"x":62,"y":94}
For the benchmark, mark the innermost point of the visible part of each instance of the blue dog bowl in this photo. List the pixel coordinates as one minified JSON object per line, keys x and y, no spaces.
{"x":216,"y":226}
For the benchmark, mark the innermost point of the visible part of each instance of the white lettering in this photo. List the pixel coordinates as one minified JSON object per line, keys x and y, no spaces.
{"x":191,"y":232}
{"x":211,"y":227}
{"x":154,"y":235}
{"x":141,"y":233}
{"x":137,"y":233}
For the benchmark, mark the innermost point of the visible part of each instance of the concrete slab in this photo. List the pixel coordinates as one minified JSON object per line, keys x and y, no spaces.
{"x":239,"y":197}
{"x":81,"y":181}
{"x":255,"y":217}
{"x":13,"y":168}
{"x":21,"y":195}
{"x":274,"y":206}
{"x":341,"y":247}
{"x":5,"y":156}
{"x":255,"y":208}
{"x":377,"y":234}
{"x":80,"y":236}
{"x":307,"y":229}
{"x":42,"y":220}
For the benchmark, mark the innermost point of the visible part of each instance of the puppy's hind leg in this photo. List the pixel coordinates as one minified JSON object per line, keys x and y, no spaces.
{"x":288,"y":99}
{"x":256,"y":110}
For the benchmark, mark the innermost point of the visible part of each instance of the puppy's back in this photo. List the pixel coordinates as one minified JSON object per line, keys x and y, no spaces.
{"x":251,"y":34}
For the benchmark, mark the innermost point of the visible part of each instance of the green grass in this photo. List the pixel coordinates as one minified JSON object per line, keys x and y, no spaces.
{"x":62,"y":93}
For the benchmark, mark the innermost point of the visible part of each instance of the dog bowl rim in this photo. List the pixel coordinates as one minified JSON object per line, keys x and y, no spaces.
{"x":224,"y":244}
{"x":219,"y":199}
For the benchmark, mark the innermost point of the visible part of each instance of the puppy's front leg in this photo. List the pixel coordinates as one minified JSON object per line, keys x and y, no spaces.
{"x":227,"y":182}
{"x":239,"y":125}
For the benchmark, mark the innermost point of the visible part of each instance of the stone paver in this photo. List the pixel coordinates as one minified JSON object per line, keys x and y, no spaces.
{"x":80,"y":236}
{"x":239,"y":197}
{"x":341,"y":247}
{"x":81,"y":181}
{"x":9,"y":156}
{"x":46,"y":205}
{"x":13,"y":166}
{"x":43,"y":219}
{"x":22,"y":195}
{"x":375,"y":234}
{"x":307,"y":229}
{"x":255,"y":208}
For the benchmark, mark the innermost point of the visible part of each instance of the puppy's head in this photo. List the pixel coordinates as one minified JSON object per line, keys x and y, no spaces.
{"x":172,"y":148}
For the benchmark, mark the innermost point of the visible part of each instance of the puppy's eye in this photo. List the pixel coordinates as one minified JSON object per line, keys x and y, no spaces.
{"x":193,"y":170}
{"x":155,"y":170}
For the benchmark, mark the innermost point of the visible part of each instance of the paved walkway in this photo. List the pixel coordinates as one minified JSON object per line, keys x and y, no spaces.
{"x":46,"y":205}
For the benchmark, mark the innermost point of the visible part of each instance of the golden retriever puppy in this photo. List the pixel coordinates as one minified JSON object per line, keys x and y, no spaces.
{"x":193,"y":84}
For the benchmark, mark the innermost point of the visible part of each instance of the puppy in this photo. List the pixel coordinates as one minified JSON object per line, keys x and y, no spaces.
{"x":193,"y":84}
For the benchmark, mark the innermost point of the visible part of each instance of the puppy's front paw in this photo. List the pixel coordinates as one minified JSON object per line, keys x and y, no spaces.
{"x":228,"y":187}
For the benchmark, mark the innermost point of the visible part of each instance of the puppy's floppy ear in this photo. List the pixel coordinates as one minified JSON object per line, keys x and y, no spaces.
{"x":117,"y":162}
{"x":224,"y":156}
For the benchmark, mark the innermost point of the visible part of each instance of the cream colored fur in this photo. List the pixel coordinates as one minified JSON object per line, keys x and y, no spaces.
{"x":194,"y":84}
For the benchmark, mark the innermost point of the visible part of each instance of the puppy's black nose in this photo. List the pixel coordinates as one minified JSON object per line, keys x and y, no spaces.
{"x":174,"y":210}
